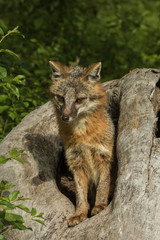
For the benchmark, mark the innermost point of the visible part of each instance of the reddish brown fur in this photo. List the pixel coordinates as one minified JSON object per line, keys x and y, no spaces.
{"x":88,"y":142}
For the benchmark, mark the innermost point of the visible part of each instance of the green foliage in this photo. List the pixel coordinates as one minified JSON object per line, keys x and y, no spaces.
{"x":9,"y":220}
{"x":9,"y":93}
{"x":15,"y":100}
{"x":10,"y":110}
{"x":116,"y":32}
{"x":10,"y":201}
{"x":13,"y":154}
{"x":122,"y":34}
{"x":14,"y":31}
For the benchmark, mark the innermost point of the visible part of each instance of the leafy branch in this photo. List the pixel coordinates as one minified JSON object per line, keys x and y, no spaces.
{"x":10,"y":92}
{"x":13,"y":154}
{"x":14,"y":31}
{"x":9,"y":220}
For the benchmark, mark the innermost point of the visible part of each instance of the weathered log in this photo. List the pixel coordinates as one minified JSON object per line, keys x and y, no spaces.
{"x":134,"y":212}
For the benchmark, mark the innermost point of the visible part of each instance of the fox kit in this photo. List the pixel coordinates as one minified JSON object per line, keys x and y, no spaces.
{"x":86,"y":131}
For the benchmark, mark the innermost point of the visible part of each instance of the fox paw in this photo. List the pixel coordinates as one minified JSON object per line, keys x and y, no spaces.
{"x":97,"y":209}
{"x":76,"y":219}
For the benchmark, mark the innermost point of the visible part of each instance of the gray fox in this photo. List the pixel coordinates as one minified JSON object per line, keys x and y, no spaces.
{"x":86,"y":131}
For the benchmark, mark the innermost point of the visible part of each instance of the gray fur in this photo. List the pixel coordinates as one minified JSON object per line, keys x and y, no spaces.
{"x":76,"y":72}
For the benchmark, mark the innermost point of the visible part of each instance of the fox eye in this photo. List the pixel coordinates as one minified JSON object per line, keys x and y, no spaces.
{"x":80,"y":100}
{"x":60,"y":99}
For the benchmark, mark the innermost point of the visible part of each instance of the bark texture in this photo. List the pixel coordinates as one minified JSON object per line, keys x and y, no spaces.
{"x":134,"y":212}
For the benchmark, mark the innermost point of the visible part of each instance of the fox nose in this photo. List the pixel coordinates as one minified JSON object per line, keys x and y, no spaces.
{"x":65,"y":118}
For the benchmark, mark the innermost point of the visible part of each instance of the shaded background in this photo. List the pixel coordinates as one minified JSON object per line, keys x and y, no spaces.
{"x":122,"y":34}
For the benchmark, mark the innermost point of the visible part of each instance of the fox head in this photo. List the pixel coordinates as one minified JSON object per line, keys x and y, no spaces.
{"x":76,"y":91}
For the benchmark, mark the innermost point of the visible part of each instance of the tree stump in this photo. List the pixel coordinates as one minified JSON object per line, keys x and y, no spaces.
{"x":134,"y":210}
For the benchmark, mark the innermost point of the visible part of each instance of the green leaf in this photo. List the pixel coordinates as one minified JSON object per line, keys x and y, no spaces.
{"x":14,"y":89}
{"x":33,"y":212}
{"x":12,"y":114}
{"x":2,"y":198}
{"x":2,"y":237}
{"x":1,"y":31}
{"x":3,"y":72}
{"x":19,"y":159}
{"x":15,"y":30}
{"x":12,"y":217}
{"x":26,"y":104}
{"x":9,"y":52}
{"x":3,"y":159}
{"x":2,"y":185}
{"x":20,"y":151}
{"x":23,"y":199}
{"x":5,"y":186}
{"x":19,"y":78}
{"x":39,"y":221}
{"x":7,"y":204}
{"x":2,"y":214}
{"x":23,"y":114}
{"x":9,"y":185}
{"x":13,"y":152}
{"x":3,"y":98}
{"x":1,"y":225}
{"x":3,"y":108}
{"x":38,"y":22}
{"x":40,"y":215}
{"x":20,"y":226}
{"x":13,"y":195}
{"x":24,"y":208}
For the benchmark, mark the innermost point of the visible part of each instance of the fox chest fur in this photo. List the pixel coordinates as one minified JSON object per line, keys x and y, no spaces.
{"x":87,"y":143}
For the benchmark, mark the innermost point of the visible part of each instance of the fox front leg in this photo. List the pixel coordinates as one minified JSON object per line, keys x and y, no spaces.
{"x":81,"y":182}
{"x":103,"y":189}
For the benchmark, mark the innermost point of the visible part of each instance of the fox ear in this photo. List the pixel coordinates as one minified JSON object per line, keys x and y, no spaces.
{"x":56,"y":69}
{"x":94,"y":70}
